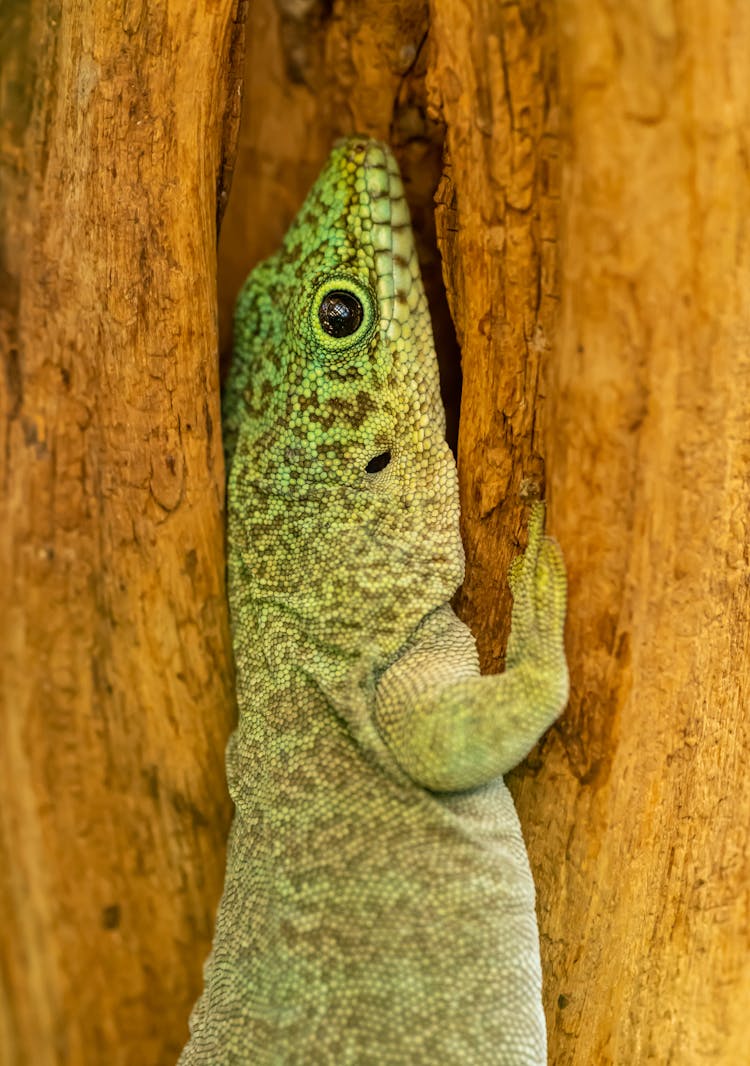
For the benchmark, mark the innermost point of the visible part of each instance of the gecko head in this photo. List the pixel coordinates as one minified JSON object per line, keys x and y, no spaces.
{"x":335,"y":395}
{"x":337,"y":384}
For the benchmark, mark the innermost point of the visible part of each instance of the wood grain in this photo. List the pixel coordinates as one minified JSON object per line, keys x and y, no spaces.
{"x":116,"y":666}
{"x":637,"y":815}
{"x":635,"y":807}
{"x":492,"y":80}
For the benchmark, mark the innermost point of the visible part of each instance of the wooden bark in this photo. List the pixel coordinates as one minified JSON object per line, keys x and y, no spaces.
{"x":116,"y":669}
{"x":492,"y":78}
{"x":637,"y":816}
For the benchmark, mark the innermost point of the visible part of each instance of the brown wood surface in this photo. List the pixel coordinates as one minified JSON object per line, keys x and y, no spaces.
{"x":116,"y":671}
{"x":637,"y":815}
{"x":578,"y":179}
{"x":492,"y":80}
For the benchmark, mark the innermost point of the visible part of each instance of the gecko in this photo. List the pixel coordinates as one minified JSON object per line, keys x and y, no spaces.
{"x":378,"y":905}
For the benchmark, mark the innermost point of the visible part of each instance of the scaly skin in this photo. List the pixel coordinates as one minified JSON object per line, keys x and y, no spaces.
{"x":378,"y":906}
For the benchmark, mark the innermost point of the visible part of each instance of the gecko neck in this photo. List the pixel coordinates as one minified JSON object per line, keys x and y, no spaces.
{"x":337,"y":593}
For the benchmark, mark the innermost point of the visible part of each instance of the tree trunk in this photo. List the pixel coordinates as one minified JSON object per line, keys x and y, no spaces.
{"x":637,"y":813}
{"x":116,"y":676}
{"x":582,"y":171}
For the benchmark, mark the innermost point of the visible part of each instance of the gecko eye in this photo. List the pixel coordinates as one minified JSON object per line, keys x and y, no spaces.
{"x":343,"y":316}
{"x":340,"y":313}
{"x":380,"y":462}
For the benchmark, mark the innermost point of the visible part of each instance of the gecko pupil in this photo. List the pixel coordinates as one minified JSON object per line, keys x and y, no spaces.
{"x":340,"y":314}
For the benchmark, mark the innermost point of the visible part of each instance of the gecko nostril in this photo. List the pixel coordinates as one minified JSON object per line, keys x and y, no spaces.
{"x":380,"y":462}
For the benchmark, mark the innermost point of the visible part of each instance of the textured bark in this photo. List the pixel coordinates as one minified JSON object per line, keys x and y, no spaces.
{"x":116,"y":676}
{"x":492,"y":78}
{"x":638,"y":819}
{"x":636,"y":811}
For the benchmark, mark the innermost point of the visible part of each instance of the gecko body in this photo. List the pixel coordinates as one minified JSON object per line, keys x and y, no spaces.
{"x":378,"y":906}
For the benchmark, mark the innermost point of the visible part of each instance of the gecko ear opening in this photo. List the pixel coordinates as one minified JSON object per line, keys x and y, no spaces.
{"x":380,"y":462}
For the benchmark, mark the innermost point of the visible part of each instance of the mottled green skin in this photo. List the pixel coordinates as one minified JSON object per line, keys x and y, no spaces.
{"x":378,"y":906}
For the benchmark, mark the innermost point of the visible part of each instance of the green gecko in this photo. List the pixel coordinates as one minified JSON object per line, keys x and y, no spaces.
{"x":378,"y":906}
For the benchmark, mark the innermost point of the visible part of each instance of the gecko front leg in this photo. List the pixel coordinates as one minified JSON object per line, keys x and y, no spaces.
{"x":448,"y":727}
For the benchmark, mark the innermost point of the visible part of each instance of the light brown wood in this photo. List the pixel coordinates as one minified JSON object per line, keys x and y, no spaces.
{"x":638,"y":813}
{"x":116,"y":669}
{"x":491,"y":79}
